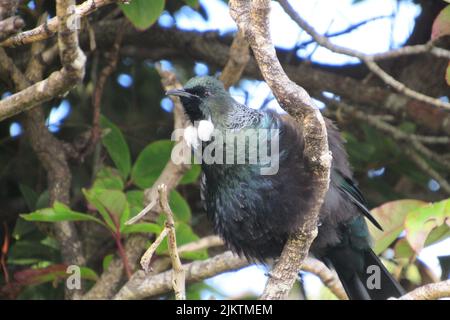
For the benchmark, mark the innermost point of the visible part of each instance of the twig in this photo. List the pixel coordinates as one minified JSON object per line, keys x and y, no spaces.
{"x":203,"y":243}
{"x":98,"y":91}
{"x":147,"y":257}
{"x":415,"y":141}
{"x":367,"y":59}
{"x":252,"y":19}
{"x":430,"y":291}
{"x":49,"y":28}
{"x":425,"y":167}
{"x":178,"y":273}
{"x":344,"y":31}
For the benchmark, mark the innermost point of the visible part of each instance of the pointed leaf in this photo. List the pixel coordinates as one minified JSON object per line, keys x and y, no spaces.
{"x":29,"y":195}
{"x":142,"y":228}
{"x":150,"y":163}
{"x":58,"y":213}
{"x":179,"y":206}
{"x":143,"y":13}
{"x":421,"y":222}
{"x":441,"y":25}
{"x":117,"y":147}
{"x":192,"y":175}
{"x":391,"y":216}
{"x":108,"y":178}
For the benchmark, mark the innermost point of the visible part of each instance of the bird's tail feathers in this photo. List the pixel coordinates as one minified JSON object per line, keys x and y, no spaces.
{"x":374,"y":282}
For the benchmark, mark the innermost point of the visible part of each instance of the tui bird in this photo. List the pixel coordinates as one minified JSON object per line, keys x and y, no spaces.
{"x":255,"y":213}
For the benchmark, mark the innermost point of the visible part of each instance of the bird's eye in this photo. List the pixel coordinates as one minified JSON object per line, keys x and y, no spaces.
{"x":207,"y":93}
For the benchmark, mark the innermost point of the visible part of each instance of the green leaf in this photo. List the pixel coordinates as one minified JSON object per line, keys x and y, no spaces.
{"x":112,"y":205}
{"x":108,"y":178}
{"x":117,"y":147}
{"x":150,"y":163}
{"x":413,"y":274}
{"x":141,"y":228}
{"x":43,"y":200}
{"x":421,"y":222}
{"x":135,"y":200}
{"x":88,"y":274}
{"x":22,"y":228}
{"x":29,"y":195}
{"x":391,"y":216}
{"x":179,"y":206}
{"x":403,"y":250}
{"x":107,"y":261}
{"x":441,"y":25}
{"x":59,"y":212}
{"x":92,"y":197}
{"x":143,"y":13}
{"x":192,"y":175}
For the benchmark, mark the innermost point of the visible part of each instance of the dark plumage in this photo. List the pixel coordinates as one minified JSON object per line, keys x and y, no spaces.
{"x":255,"y":213}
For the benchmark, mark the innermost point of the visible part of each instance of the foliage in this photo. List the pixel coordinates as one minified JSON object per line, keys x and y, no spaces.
{"x":111,"y":202}
{"x":108,"y":187}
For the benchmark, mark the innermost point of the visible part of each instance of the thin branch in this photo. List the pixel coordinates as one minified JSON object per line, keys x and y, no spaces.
{"x":430,"y":291}
{"x":105,"y":74}
{"x":367,"y":59}
{"x":329,"y":278}
{"x":203,"y":243}
{"x":347,"y":30}
{"x":415,"y":141}
{"x":50,"y":27}
{"x":252,"y":20}
{"x":148,"y":255}
{"x":178,"y":273}
{"x":141,"y":286}
{"x":425,"y":167}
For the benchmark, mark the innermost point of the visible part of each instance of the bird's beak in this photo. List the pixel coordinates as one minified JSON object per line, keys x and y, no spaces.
{"x":179,"y":93}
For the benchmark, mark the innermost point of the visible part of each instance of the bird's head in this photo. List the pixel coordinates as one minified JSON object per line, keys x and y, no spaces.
{"x":202,"y":98}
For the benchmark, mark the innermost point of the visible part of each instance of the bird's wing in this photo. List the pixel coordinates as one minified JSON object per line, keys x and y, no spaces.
{"x":349,"y":187}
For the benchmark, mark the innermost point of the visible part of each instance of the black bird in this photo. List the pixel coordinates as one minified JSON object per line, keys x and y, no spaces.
{"x":255,"y":213}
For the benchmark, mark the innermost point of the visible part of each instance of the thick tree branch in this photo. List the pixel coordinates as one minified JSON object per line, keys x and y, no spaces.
{"x":48,"y":28}
{"x":252,"y":20}
{"x":430,"y":291}
{"x":9,"y":22}
{"x":59,"y":82}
